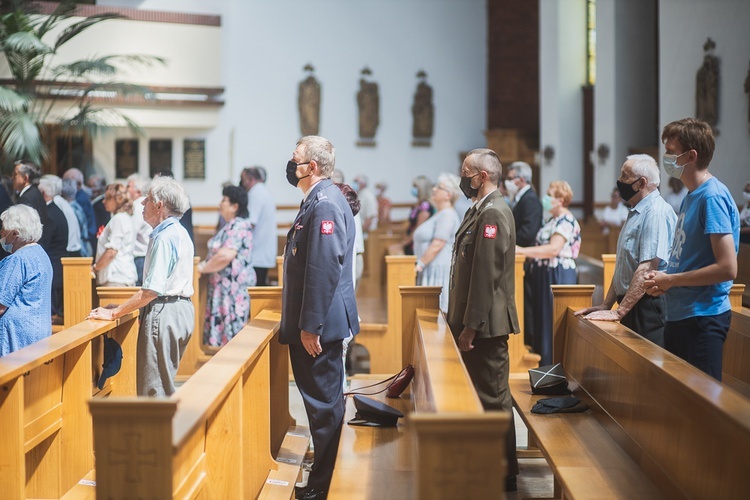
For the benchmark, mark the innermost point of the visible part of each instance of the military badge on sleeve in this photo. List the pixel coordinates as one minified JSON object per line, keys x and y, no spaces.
{"x":326,"y":227}
{"x":490,"y":231}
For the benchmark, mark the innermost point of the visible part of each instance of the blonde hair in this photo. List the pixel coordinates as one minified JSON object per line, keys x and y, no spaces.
{"x":119,"y":192}
{"x":561,"y":189}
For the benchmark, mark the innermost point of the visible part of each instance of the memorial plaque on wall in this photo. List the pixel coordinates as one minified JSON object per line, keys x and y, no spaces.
{"x":159,"y":155}
{"x":126,"y":157}
{"x":195,"y":158}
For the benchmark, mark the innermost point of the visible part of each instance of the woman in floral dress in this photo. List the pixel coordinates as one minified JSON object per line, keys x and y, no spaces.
{"x":558,"y":243}
{"x":229,"y":264}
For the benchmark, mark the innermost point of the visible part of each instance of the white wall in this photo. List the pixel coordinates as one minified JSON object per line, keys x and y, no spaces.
{"x":625,"y":96}
{"x":562,"y":73}
{"x":265,"y":46}
{"x":684,"y":26}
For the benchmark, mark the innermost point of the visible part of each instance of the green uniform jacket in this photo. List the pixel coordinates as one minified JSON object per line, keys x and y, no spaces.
{"x":482,"y":286}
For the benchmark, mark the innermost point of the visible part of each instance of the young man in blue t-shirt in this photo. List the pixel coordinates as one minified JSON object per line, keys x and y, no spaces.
{"x":703,"y":260}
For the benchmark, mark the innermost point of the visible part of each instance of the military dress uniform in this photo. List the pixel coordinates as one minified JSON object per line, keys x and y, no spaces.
{"x":482,"y":297}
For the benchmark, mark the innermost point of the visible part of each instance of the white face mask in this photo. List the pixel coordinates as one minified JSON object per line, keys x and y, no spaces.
{"x":511,"y":188}
{"x":8,"y":247}
{"x":670,"y":165}
{"x":746,"y":196}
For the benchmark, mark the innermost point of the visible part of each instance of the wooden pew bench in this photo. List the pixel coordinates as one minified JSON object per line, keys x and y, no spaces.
{"x":45,"y":428}
{"x":448,"y":447}
{"x":223,"y":434}
{"x":743,"y":271}
{"x":736,"y":362}
{"x":657,"y":427}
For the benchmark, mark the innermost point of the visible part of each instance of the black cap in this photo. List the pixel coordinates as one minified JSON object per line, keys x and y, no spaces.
{"x":112,"y":360}
{"x":373,"y":413}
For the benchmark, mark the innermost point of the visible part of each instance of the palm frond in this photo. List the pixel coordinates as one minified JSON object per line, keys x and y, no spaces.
{"x":19,"y":135}
{"x":26,"y":42}
{"x":64,"y":10}
{"x":11,"y":101}
{"x":94,"y":122}
{"x":76,"y":29}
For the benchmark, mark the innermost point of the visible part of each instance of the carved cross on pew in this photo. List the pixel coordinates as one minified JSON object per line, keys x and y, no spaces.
{"x":133,"y":457}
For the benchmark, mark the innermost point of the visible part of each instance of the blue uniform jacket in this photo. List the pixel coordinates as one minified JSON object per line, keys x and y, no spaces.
{"x":318,"y":293}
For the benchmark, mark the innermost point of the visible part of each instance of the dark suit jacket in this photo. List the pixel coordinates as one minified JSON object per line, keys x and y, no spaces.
{"x":34,"y":198}
{"x":57,"y":226}
{"x":482,"y":288}
{"x":528,"y":214}
{"x":318,"y":292}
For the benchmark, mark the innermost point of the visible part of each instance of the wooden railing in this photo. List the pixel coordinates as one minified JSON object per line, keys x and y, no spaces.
{"x":45,"y":426}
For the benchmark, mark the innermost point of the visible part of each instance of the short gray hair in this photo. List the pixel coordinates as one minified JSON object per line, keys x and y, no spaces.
{"x":25,"y":220}
{"x":452,"y":184}
{"x":171,"y":193}
{"x":141,"y":184}
{"x":30,"y":170}
{"x":321,"y":151}
{"x":75,"y":174}
{"x":645,"y":166}
{"x":523,"y":169}
{"x":487,"y":160}
{"x":51,"y":185}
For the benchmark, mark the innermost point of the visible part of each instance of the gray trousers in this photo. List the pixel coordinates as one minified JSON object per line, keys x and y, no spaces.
{"x":163,"y":336}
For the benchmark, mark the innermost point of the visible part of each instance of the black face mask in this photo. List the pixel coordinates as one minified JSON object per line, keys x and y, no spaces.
{"x":291,"y":172}
{"x":626,"y":190}
{"x":466,"y":188}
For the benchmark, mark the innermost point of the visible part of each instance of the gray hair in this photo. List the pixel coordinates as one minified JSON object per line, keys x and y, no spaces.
{"x":338,"y":176}
{"x":645,"y":166}
{"x":523,"y":169}
{"x":25,"y":220}
{"x":75,"y":174}
{"x":486,"y":160}
{"x":424,"y":187}
{"x":30,"y":170}
{"x":51,"y":185}
{"x":321,"y":151}
{"x":140,"y":183}
{"x":452,"y":184}
{"x":69,"y":188}
{"x":171,"y":193}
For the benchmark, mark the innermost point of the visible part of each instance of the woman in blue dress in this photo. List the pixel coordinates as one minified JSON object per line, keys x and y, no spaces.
{"x":25,"y":281}
{"x":230,"y":266}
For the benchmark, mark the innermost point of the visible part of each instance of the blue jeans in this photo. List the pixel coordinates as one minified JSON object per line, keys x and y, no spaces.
{"x":699,"y":341}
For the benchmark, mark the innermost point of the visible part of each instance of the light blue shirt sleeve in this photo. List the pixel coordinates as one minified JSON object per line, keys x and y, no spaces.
{"x":163,"y":260}
{"x":718,"y":216}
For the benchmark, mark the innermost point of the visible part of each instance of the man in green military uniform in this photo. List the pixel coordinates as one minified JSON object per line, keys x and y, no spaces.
{"x":482,"y":309}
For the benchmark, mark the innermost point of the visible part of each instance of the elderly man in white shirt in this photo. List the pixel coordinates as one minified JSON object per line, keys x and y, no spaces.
{"x":168,"y":318}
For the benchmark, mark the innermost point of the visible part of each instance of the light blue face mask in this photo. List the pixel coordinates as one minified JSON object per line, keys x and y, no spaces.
{"x":8,"y":247}
{"x":355,"y":186}
{"x":547,"y":202}
{"x":669,"y":162}
{"x":415,"y":192}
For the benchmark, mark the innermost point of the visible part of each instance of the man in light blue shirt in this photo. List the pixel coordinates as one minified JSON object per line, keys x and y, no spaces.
{"x":643,"y":246}
{"x":262,"y":209}
{"x":703,"y":260}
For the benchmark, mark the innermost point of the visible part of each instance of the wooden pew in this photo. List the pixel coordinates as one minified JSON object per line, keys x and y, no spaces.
{"x":449,"y":448}
{"x":657,"y":427}
{"x":45,"y":426}
{"x":218,"y":436}
{"x":609,"y":270}
{"x":736,"y":361}
{"x":743,"y":271}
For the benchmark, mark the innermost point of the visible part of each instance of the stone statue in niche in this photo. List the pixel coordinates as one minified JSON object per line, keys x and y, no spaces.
{"x":747,"y":91}
{"x":707,"y":87}
{"x":368,"y":101}
{"x":423,"y":112}
{"x":308,"y":101}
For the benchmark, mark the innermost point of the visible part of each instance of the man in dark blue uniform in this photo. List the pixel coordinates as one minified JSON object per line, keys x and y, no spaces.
{"x":318,"y":307}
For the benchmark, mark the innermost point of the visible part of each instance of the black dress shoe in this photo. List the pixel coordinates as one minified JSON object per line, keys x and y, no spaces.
{"x":312,"y":494}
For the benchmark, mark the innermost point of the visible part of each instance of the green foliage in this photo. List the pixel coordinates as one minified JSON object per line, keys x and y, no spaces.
{"x":38,"y":84}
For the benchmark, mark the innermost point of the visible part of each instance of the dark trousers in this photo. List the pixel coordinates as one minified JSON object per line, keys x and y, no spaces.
{"x":646,"y":318}
{"x":528,"y":305}
{"x":541,"y":326}
{"x":320,"y":381}
{"x":261,"y":276}
{"x":139,"y":261}
{"x":699,"y":341}
{"x":488,"y":367}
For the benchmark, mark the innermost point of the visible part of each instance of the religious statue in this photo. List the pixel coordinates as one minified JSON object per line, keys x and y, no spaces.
{"x":707,"y":86}
{"x":308,"y":101}
{"x":368,"y":101}
{"x":423,"y":112}
{"x":747,"y":91}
